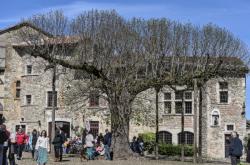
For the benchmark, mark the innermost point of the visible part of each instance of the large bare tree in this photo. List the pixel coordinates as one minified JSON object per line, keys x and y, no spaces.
{"x":125,"y":57}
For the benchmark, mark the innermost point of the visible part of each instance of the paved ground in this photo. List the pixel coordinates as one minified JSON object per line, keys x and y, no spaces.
{"x":76,"y":161}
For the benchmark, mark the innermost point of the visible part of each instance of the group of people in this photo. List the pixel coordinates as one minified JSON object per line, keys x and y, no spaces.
{"x":137,"y":145}
{"x":99,"y":146}
{"x":14,"y":144}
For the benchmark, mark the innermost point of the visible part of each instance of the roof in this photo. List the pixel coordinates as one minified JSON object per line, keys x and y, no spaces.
{"x":23,"y":24}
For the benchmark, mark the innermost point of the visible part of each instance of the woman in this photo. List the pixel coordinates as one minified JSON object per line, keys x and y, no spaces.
{"x":32,"y":142}
{"x":42,"y":147}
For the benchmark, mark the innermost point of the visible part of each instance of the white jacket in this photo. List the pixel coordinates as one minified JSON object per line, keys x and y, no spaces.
{"x":42,"y":142}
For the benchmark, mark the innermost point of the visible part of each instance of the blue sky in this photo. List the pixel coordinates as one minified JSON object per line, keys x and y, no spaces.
{"x":231,"y":14}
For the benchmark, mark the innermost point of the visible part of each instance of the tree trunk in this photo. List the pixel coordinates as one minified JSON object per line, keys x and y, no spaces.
{"x":53,"y":108}
{"x":120,"y":108}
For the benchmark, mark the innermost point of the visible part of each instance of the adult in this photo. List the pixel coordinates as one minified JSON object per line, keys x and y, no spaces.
{"x":89,"y":145}
{"x":100,"y":138}
{"x":5,"y":145}
{"x":3,"y":138}
{"x":20,"y":141}
{"x":57,"y":142}
{"x":42,"y":147}
{"x":64,"y":138}
{"x":235,"y":149}
{"x":107,"y":144}
{"x":12,"y":147}
{"x":248,"y":150}
{"x":32,"y":142}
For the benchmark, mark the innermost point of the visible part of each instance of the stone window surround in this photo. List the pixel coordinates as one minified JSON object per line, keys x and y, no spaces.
{"x":173,"y":102}
{"x":49,"y":90}
{"x":211,"y":121}
{"x":25,"y":100}
{"x":218,"y":90}
{"x":226,"y":124}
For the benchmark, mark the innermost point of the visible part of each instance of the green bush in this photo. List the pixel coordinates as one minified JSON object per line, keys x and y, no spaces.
{"x":148,"y":137}
{"x":173,"y":150}
{"x":149,"y":141}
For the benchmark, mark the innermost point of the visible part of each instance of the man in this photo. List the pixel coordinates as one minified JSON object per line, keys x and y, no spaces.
{"x":20,"y":141}
{"x":107,"y":144}
{"x":235,"y":149}
{"x":5,"y":145}
{"x":3,"y":138}
{"x":62,"y":134}
{"x":32,"y":142}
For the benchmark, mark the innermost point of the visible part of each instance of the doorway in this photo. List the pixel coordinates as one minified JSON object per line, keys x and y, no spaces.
{"x":63,"y":125}
{"x":227,"y":144}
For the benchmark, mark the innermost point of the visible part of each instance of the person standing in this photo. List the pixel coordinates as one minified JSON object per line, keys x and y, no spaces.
{"x":107,"y":144}
{"x":12,"y":147}
{"x":235,"y":149}
{"x":57,"y":142}
{"x":89,"y":140}
{"x":32,"y":142}
{"x":3,"y":138}
{"x":20,"y":140}
{"x":62,"y":134}
{"x":42,"y":147}
{"x":5,"y":145}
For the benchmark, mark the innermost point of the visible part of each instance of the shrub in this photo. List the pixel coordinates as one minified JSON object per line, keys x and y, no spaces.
{"x":173,"y":150}
{"x":149,"y":141}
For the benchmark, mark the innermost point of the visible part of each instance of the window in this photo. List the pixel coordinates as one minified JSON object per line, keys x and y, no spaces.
{"x":223,"y":92}
{"x":178,"y":107}
{"x":167,"y":107}
{"x":29,"y":69}
{"x":93,"y":99}
{"x":230,"y":127}
{"x":18,"y":89}
{"x":188,"y":95}
{"x":223,"y":96}
{"x":94,"y":127}
{"x":50,"y":99}
{"x":188,"y":107}
{"x":188,"y":138}
{"x":215,"y":118}
{"x":167,"y":103}
{"x":28,"y":99}
{"x":167,"y":96}
{"x":165,"y":137}
{"x":178,"y":95}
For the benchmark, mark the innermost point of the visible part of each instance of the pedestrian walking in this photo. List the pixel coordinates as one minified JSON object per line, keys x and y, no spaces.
{"x":107,"y":144}
{"x":235,"y":149}
{"x":42,"y":147}
{"x":57,"y":142}
{"x":5,"y":145}
{"x":20,"y":140}
{"x":89,"y":144}
{"x":12,"y":148}
{"x":3,"y":138}
{"x":64,"y":138}
{"x":32,"y":142}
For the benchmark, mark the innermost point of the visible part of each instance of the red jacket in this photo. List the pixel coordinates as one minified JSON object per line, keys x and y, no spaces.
{"x":21,"y":138}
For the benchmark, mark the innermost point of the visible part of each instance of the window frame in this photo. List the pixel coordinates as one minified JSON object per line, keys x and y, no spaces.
{"x":27,"y":69}
{"x":223,"y":92}
{"x":186,"y":136}
{"x":26,"y":99}
{"x":49,"y":95}
{"x":94,"y":99}
{"x":167,"y":137}
{"x":18,"y":89}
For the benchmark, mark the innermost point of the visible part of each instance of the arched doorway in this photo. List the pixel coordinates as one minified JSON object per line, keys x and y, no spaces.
{"x":63,"y":125}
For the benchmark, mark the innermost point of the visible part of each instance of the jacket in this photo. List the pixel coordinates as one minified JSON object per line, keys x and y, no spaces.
{"x":3,"y":136}
{"x":21,"y":138}
{"x":107,"y":139}
{"x":236,"y":147}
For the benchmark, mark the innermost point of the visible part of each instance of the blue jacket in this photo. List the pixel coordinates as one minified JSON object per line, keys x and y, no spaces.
{"x":236,"y":147}
{"x":107,"y":139}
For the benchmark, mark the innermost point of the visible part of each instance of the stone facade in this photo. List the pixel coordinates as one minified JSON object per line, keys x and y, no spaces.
{"x":37,"y":114}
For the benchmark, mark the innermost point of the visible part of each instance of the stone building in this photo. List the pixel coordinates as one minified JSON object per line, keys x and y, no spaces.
{"x":26,"y":101}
